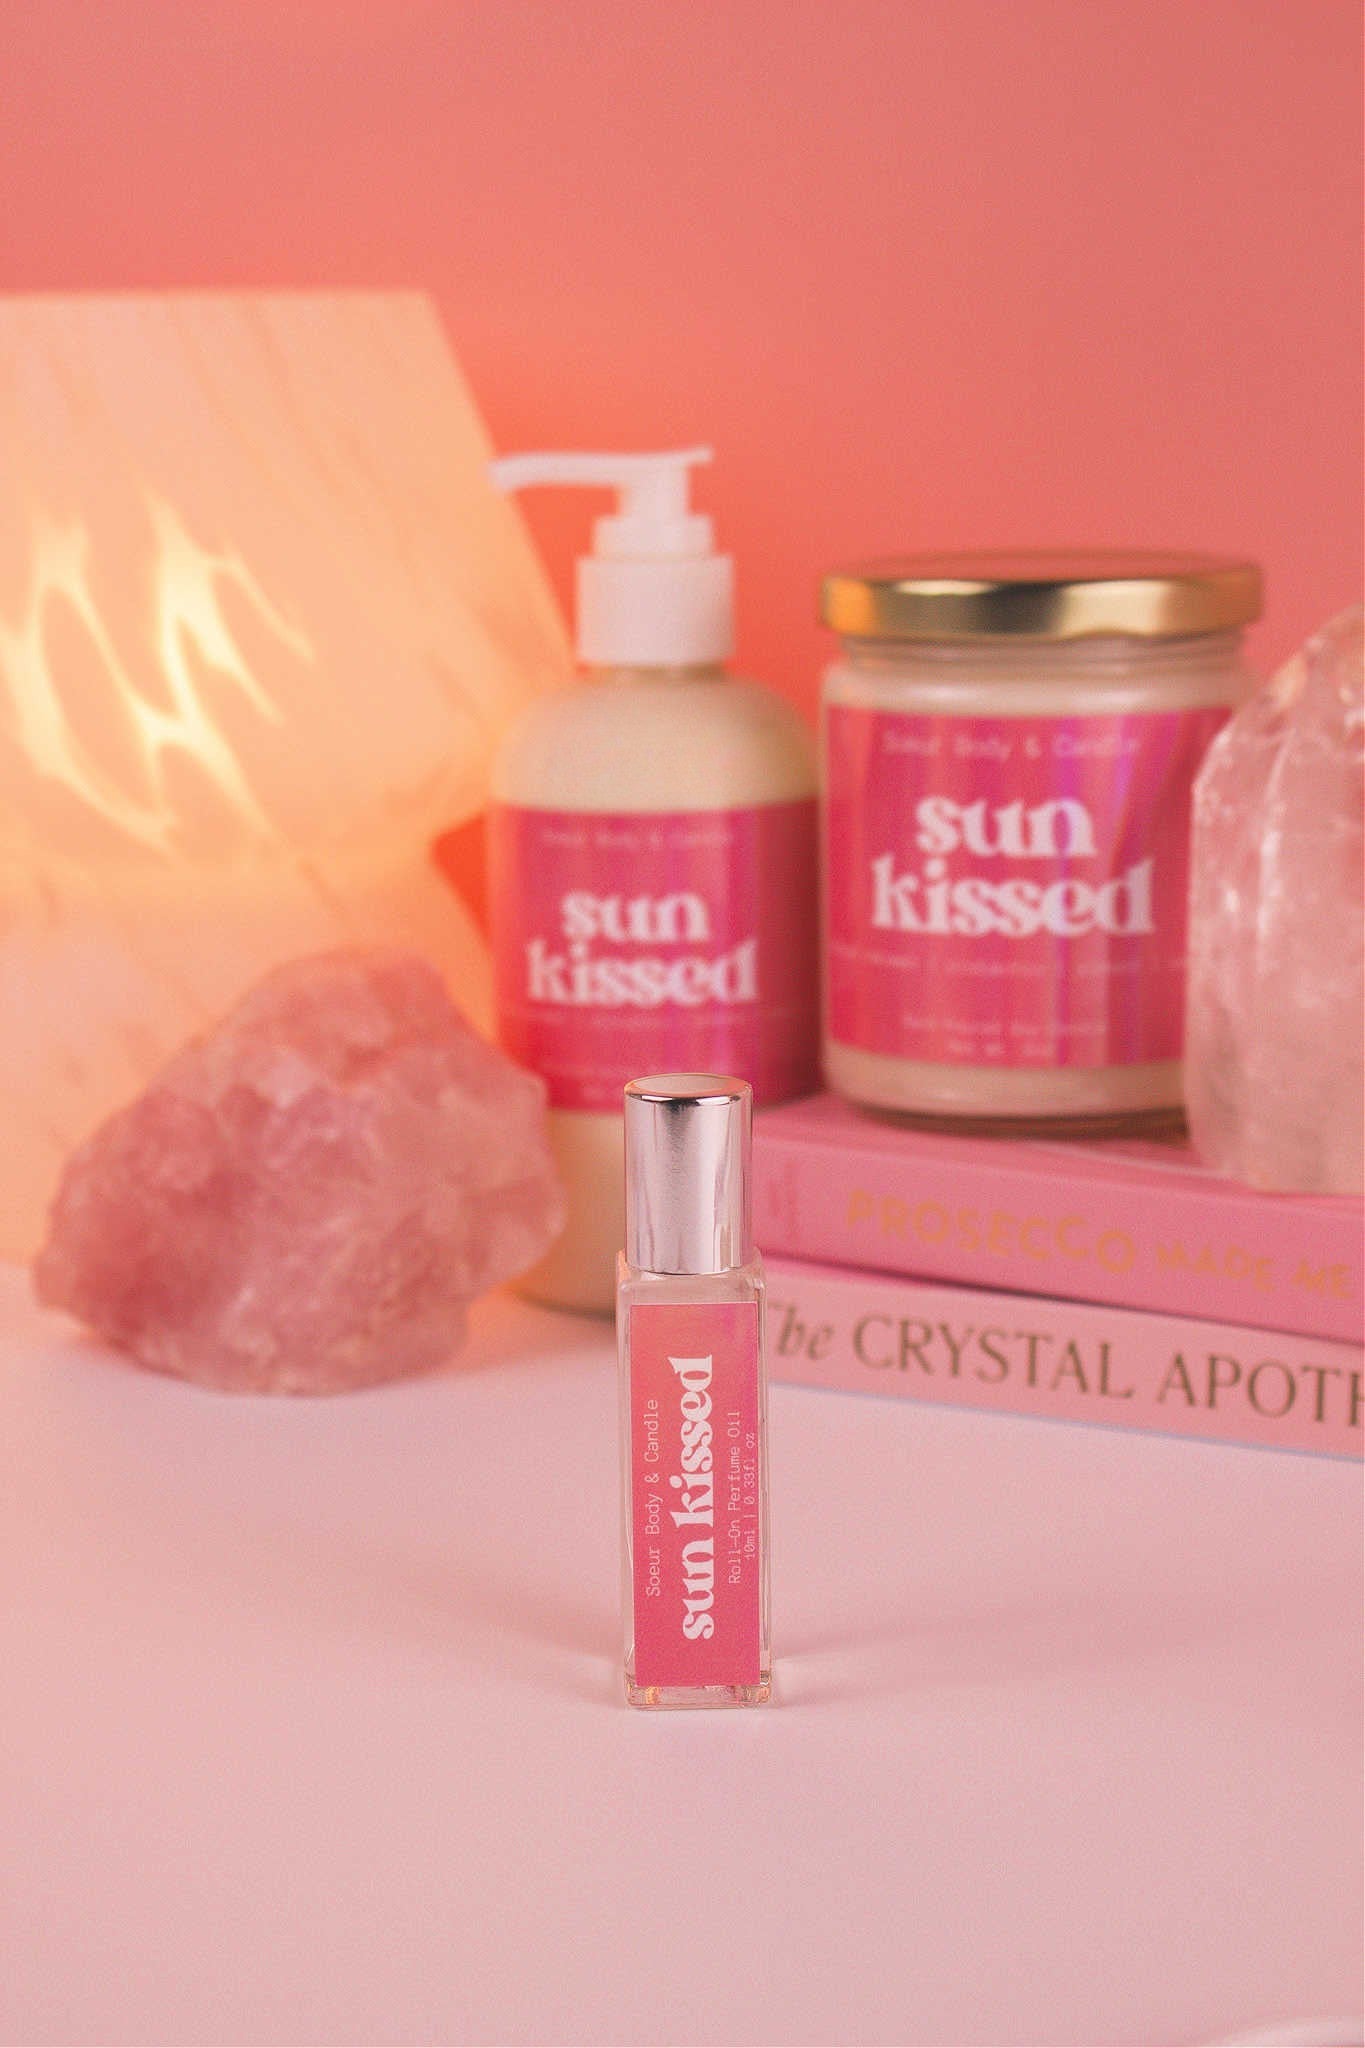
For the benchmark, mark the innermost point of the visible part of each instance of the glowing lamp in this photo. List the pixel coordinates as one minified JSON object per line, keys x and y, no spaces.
{"x":263,"y":618}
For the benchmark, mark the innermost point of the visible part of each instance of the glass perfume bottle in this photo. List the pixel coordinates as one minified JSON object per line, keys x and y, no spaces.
{"x":694,"y":1421}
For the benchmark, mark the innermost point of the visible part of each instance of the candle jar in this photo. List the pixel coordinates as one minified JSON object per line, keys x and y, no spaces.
{"x":1009,"y":748}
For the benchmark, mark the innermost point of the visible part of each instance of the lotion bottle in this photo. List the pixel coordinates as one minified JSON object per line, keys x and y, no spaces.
{"x":652,"y":853}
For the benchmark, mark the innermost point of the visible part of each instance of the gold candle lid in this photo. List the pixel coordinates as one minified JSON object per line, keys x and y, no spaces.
{"x":1040,"y":596}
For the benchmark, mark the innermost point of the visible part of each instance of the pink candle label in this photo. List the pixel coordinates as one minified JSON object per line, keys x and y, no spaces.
{"x":1010,"y":891}
{"x":653,"y":941}
{"x":696,"y":1507}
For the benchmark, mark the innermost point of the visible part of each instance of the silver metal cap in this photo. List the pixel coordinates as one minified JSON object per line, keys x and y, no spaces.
{"x":687,"y":1173}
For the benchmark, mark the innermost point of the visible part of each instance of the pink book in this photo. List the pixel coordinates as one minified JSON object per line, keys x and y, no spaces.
{"x":1073,"y":1361}
{"x":1136,"y":1222}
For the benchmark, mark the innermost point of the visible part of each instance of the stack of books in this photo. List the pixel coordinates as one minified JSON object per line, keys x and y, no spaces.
{"x":1114,"y":1281}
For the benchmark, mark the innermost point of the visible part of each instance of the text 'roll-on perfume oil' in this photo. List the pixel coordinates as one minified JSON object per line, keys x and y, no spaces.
{"x":690,"y":1321}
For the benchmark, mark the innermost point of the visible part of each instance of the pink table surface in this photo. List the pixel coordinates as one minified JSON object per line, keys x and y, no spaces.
{"x":313,"y":1728}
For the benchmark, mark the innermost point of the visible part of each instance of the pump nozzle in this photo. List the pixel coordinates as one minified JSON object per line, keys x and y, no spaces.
{"x":653,"y":593}
{"x":653,"y":519}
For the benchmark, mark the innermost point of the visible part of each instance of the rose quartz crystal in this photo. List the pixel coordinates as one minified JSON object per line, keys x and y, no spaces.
{"x":1273,"y":1042}
{"x":308,"y":1198}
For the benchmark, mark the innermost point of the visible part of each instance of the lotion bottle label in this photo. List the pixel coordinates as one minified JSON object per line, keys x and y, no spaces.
{"x":635,"y":942}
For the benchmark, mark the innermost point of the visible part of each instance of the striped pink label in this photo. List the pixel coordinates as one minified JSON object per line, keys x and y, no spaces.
{"x":1010,"y":891}
{"x":634,"y":943}
{"x":696,"y":1510}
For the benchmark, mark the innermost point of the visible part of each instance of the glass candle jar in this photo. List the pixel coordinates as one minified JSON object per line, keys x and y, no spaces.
{"x":1009,"y":748}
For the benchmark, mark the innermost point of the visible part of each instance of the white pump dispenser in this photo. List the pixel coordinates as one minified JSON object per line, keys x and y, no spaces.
{"x":653,"y":593}
{"x":652,"y":869}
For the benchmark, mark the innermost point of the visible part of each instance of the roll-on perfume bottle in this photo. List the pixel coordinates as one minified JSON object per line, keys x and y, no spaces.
{"x":694,"y":1422}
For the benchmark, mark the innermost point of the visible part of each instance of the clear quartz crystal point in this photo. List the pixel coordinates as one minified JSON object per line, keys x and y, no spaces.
{"x":1274,"y":1051}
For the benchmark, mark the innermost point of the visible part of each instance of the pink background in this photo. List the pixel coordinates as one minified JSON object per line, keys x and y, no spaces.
{"x":927,"y":273}
{"x":291,"y":1690}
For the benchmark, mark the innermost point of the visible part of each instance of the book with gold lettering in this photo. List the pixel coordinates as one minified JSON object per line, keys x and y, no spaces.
{"x":1135,"y":1223}
{"x":1070,"y":1361}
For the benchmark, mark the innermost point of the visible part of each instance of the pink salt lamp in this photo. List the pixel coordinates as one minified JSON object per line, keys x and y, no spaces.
{"x":262,"y":620}
{"x":308,"y":1198}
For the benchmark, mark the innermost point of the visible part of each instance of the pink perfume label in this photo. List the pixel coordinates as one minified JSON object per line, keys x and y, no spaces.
{"x":695,"y":1493}
{"x":1010,"y":891}
{"x":652,"y":941}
